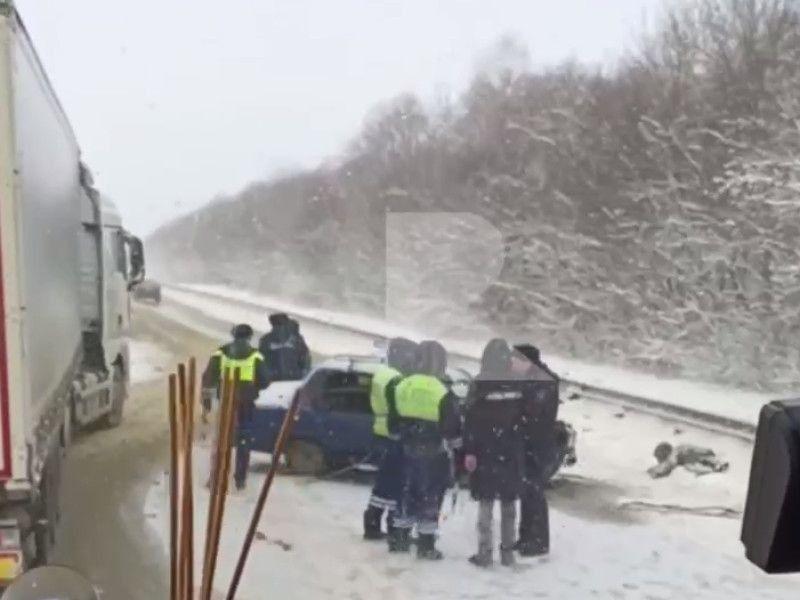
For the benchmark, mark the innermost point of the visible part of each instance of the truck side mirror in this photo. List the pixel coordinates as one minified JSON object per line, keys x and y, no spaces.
{"x":772,"y":513}
{"x":136,"y":252}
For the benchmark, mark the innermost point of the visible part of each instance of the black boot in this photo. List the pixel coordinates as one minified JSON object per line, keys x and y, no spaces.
{"x":507,"y":556}
{"x":372,"y":524}
{"x":426,"y":548}
{"x":481,"y":560}
{"x":530,"y":549}
{"x":399,"y":540}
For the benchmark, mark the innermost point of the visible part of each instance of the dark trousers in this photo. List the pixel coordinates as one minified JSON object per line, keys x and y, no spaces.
{"x":534,"y":523}
{"x":244,"y":443}
{"x":425,"y":479}
{"x":387,"y":490}
{"x":389,"y":480}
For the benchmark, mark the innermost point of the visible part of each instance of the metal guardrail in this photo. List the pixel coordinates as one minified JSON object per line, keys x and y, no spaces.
{"x":695,"y":417}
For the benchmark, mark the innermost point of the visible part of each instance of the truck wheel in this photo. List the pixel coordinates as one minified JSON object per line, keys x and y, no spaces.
{"x":305,"y":458}
{"x":49,"y":510}
{"x":118,"y":394}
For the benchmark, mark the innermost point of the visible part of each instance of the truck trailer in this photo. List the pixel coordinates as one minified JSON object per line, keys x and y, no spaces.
{"x":66,"y":269}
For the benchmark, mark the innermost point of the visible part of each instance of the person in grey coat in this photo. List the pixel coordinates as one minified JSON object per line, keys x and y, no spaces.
{"x":494,"y":449}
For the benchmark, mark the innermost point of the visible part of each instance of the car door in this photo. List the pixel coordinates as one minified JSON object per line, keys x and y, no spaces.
{"x":345,"y":415}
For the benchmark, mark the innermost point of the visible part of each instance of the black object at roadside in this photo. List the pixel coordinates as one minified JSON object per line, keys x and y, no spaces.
{"x":772,"y":514}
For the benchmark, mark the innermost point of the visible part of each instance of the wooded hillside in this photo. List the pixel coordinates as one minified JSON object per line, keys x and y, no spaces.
{"x":651,"y":214}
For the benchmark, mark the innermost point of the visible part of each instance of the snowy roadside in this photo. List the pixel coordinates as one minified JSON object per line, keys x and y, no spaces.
{"x":600,"y":548}
{"x":738,"y":405}
{"x":147,"y":360}
{"x":311,"y":548}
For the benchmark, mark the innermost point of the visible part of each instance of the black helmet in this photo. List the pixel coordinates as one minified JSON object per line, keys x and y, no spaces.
{"x":662,"y":451}
{"x":242,"y":331}
{"x":530,"y":352}
{"x":402,"y":354}
{"x":432,"y":358}
{"x":496,"y":358}
{"x":276,"y":319}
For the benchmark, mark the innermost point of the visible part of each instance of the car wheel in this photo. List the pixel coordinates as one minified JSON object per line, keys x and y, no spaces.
{"x":305,"y":458}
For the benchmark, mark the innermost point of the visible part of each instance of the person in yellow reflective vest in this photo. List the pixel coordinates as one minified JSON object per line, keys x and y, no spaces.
{"x":239,"y":354}
{"x":401,"y":358}
{"x":424,"y":414}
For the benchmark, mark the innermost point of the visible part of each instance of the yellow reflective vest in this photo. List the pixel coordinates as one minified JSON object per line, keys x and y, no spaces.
{"x":246,"y":366}
{"x":377,"y":399}
{"x":419,"y":397}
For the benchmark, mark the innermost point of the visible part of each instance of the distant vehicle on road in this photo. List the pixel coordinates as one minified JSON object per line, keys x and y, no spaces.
{"x":148,"y":291}
{"x":334,"y":428}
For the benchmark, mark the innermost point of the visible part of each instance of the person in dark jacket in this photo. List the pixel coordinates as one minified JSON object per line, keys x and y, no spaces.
{"x":493,"y":448}
{"x":303,"y":352}
{"x":253,"y":377}
{"x":401,"y":357}
{"x":423,"y":413}
{"x":284,"y":349}
{"x":539,"y":433}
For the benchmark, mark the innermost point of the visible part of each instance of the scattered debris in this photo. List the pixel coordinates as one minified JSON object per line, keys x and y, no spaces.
{"x":724,"y":512}
{"x":262,"y":537}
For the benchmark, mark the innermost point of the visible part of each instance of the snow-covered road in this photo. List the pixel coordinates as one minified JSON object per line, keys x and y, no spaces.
{"x":313,"y":549}
{"x":602,"y":547}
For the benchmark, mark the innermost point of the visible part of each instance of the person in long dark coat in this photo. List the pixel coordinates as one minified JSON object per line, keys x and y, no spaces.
{"x":539,"y":434}
{"x":493,"y":448}
{"x":284,"y":349}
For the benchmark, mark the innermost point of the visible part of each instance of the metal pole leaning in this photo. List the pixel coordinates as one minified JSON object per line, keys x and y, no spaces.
{"x":277,"y":452}
{"x":220,"y":483}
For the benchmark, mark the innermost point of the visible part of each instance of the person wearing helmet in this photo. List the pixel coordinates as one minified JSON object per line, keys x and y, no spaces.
{"x":400,"y":361}
{"x":423,"y":414}
{"x":284,"y":349}
{"x":540,"y":431}
{"x":494,"y":448}
{"x":239,"y":355}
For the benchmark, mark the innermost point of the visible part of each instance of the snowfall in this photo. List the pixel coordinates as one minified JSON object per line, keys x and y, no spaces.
{"x":615,"y":533}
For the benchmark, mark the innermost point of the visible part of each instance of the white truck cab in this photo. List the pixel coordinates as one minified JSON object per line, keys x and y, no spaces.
{"x":111,"y":264}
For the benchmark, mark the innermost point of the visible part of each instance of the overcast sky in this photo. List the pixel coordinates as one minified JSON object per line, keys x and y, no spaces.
{"x":177,"y":101}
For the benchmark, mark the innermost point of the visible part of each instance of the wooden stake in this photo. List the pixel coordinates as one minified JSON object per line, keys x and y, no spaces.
{"x":191,"y":399}
{"x":277,"y":452}
{"x":212,"y":479}
{"x":173,"y":490}
{"x":220,"y":483}
{"x":184,"y":471}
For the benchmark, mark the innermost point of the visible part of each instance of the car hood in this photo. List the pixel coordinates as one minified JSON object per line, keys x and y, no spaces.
{"x":278,"y":394}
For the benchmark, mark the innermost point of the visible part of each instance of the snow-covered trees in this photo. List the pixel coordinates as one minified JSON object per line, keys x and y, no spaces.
{"x":651,"y":215}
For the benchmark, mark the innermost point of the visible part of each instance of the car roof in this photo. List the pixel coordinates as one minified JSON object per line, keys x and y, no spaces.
{"x":362,"y":364}
{"x":359,"y":364}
